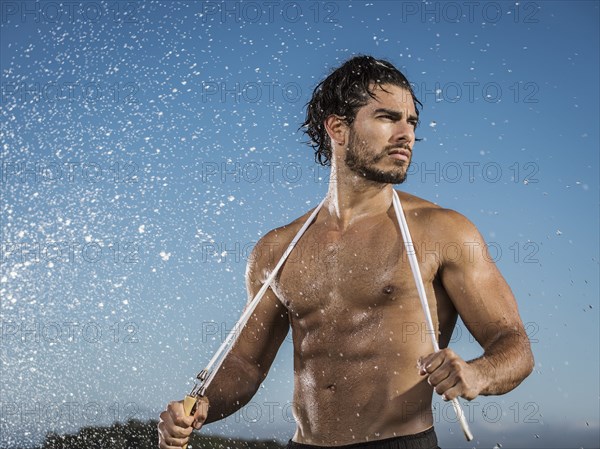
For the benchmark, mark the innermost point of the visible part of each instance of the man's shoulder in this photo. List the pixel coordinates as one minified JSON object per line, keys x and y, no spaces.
{"x":283,"y":235}
{"x":448,"y":223}
{"x":273,"y":244}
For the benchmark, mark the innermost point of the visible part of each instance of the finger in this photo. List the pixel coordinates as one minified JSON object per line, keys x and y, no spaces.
{"x":201,"y":412}
{"x":432,"y":362}
{"x":178,"y":416}
{"x":170,"y":428}
{"x":446,"y":384}
{"x":163,"y":445}
{"x":167,"y":441}
{"x":422,"y":362}
{"x":171,"y":442}
{"x":439,"y":375}
{"x":451,"y":393}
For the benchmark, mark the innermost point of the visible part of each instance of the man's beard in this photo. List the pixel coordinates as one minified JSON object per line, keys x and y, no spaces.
{"x":361,"y":159}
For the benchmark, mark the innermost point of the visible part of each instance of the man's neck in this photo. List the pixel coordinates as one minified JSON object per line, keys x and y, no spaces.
{"x":351,"y":197}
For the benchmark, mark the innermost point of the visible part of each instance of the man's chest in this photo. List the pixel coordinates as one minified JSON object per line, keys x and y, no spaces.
{"x":361,"y":269}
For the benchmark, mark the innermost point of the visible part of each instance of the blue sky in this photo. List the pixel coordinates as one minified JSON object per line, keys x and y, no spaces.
{"x":147,"y":146}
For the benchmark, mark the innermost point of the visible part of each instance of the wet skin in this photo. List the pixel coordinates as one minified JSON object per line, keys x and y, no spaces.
{"x":358,"y":328}
{"x":363,"y":363}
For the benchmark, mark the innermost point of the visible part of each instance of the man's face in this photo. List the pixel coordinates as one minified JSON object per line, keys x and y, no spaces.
{"x":382,"y":136}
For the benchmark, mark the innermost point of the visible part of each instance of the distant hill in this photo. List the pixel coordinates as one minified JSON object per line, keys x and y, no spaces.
{"x":141,"y":435}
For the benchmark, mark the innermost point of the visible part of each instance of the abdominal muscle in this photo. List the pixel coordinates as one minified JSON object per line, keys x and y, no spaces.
{"x":356,"y":376}
{"x":358,"y":332}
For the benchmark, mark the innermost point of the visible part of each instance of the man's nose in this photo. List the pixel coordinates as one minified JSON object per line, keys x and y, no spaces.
{"x":403,"y":132}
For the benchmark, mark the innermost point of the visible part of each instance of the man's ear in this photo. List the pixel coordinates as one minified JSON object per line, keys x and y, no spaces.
{"x":336,"y":129}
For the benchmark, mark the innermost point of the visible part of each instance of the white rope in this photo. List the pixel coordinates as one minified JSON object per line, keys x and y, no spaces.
{"x":216,"y":361}
{"x":233,"y":333}
{"x":414,"y":265}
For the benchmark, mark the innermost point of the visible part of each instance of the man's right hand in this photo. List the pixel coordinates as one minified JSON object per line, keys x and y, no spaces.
{"x":174,"y":428}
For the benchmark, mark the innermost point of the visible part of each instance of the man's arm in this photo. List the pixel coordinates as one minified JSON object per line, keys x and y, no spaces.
{"x":488,"y":308}
{"x":246,"y":365}
{"x":249,"y":361}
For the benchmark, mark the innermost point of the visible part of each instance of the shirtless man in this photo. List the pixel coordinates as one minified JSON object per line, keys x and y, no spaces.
{"x":362,"y":373}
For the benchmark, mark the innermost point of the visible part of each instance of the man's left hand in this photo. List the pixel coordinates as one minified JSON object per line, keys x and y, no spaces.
{"x":450,"y":375}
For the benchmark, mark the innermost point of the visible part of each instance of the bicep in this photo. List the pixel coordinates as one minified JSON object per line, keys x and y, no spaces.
{"x":264,"y":332}
{"x":478,"y":290}
{"x":267,"y":326}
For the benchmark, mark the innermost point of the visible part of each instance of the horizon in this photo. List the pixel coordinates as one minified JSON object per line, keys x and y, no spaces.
{"x":146,"y":147}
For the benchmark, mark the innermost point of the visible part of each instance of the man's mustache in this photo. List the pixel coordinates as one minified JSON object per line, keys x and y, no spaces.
{"x":404,"y":146}
{"x":386,"y":152}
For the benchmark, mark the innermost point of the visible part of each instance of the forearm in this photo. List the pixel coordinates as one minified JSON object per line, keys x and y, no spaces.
{"x":233,"y":386}
{"x":505,"y":363}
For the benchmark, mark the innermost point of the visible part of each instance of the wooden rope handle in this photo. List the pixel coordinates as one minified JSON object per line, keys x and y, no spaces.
{"x":189,"y":407}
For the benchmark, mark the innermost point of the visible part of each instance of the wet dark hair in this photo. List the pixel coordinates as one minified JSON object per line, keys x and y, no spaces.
{"x":345,"y":91}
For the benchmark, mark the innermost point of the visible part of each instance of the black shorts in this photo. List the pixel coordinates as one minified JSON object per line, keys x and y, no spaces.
{"x":422,"y":440}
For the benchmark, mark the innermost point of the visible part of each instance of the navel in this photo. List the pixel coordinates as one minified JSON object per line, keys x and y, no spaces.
{"x":388,"y":289}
